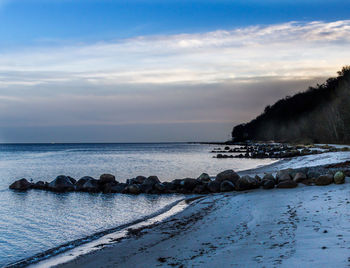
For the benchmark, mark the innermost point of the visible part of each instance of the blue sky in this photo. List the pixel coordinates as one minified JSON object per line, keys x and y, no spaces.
{"x":34,"y":21}
{"x":136,"y":71}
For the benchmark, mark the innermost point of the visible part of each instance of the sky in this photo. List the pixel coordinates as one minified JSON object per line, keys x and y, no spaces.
{"x":158,"y":71}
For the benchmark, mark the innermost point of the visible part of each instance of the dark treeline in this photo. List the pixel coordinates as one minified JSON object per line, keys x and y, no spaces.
{"x":319,"y":115}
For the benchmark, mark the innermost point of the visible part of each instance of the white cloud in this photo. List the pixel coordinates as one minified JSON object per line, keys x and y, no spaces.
{"x":218,"y":76}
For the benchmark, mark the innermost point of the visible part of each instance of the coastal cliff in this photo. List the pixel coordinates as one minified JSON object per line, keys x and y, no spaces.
{"x":320,"y":114}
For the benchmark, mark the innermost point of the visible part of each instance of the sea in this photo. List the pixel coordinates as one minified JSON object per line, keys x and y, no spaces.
{"x":36,"y":221}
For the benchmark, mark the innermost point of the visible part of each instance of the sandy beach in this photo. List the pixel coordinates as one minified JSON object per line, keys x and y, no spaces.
{"x":301,"y":227}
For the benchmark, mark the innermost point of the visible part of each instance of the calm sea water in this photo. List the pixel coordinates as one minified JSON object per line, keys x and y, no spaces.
{"x":35,"y":221}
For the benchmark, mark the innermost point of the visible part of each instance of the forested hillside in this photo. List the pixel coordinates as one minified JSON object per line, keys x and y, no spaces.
{"x":320,"y":115}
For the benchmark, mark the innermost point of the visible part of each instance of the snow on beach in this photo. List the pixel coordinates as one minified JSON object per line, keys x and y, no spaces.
{"x":302,"y":227}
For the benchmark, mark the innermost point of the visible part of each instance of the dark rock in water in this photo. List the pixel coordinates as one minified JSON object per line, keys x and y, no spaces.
{"x":200,"y":189}
{"x":79,"y":184}
{"x":214,"y":186}
{"x":159,"y":187}
{"x":227,"y":175}
{"x":140,"y":179}
{"x":268,"y":184}
{"x":151,"y":180}
{"x":146,"y":188}
{"x":189,"y":184}
{"x":61,"y":184}
{"x":287,"y":184}
{"x":339,"y":177}
{"x":21,"y":185}
{"x":324,"y":180}
{"x":133,"y":189}
{"x":40,"y":185}
{"x":227,"y":148}
{"x":106,"y":178}
{"x":227,"y":186}
{"x":72,"y":180}
{"x":246,"y":183}
{"x":299,"y":177}
{"x":91,"y":186}
{"x":169,"y":186}
{"x":204,"y":178}
{"x":117,"y":188}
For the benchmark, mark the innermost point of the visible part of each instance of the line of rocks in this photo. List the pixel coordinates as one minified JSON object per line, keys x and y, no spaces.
{"x":261,"y":151}
{"x":225,"y":181}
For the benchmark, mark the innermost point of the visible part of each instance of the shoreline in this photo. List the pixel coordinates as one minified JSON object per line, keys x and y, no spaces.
{"x":182,"y":215}
{"x":233,"y":229}
{"x":102,"y":236}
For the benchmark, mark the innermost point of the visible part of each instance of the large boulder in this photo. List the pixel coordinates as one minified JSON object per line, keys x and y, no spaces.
{"x":287,"y":184}
{"x":268,"y":184}
{"x":21,"y":185}
{"x":146,"y":188}
{"x":188,"y":184}
{"x":214,"y":186}
{"x":268,"y":177}
{"x":151,"y":180}
{"x":246,"y":183}
{"x":227,"y":186}
{"x":140,"y":179}
{"x":40,"y":185}
{"x":324,"y":180}
{"x":300,"y":177}
{"x":118,"y":188}
{"x":227,"y":175}
{"x":134,"y":189}
{"x":159,"y":187}
{"x":79,"y":184}
{"x":204,"y":178}
{"x":61,"y":184}
{"x":284,"y":175}
{"x":169,"y":186}
{"x":339,"y":177}
{"x":107,"y":178}
{"x":200,"y":189}
{"x":91,"y":186}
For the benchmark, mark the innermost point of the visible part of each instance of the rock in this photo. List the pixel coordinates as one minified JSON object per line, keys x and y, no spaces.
{"x":72,"y":180}
{"x":79,"y":184}
{"x":107,"y":187}
{"x":246,"y":183}
{"x":106,"y":178}
{"x":151,"y":180}
{"x":199,"y":189}
{"x":268,"y":177}
{"x":61,"y":184}
{"x":140,"y":179}
{"x":169,"y":186}
{"x":284,"y":175}
{"x":313,"y":175}
{"x":324,"y":180}
{"x":160,"y":187}
{"x":117,"y":188}
{"x":268,"y":184}
{"x":134,"y":189}
{"x":227,"y":175}
{"x":339,"y":177}
{"x":308,"y":182}
{"x":40,"y":185}
{"x":146,"y":188}
{"x":227,"y":148}
{"x":189,"y":184}
{"x":214,"y":186}
{"x":91,"y":186}
{"x":287,"y":184}
{"x":227,"y":186}
{"x":299,"y":177}
{"x":21,"y":185}
{"x":258,"y":178}
{"x":204,"y":178}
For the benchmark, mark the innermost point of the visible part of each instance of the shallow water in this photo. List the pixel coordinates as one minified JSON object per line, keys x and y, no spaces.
{"x":34,"y":221}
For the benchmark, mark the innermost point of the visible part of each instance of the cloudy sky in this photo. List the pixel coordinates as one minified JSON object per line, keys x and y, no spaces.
{"x":148,"y":71}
